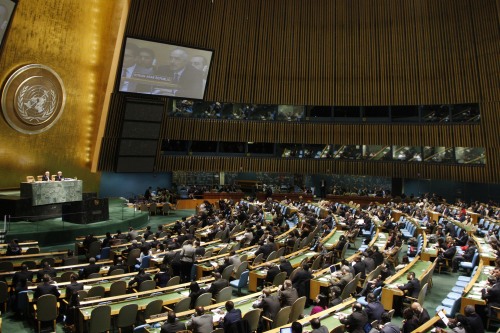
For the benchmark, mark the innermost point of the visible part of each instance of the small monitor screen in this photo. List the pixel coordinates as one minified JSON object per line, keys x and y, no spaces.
{"x":164,"y":69}
{"x":286,"y":330}
{"x":332,"y":269}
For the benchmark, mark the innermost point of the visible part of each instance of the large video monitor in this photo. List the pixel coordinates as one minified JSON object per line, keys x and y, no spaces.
{"x":164,"y":69}
{"x":7,"y":8}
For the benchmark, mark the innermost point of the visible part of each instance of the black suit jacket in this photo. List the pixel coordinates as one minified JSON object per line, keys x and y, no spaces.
{"x":46,"y":289}
{"x":231,"y":317}
{"x":190,"y":81}
{"x":355,"y":322}
{"x":492,"y":297}
{"x":271,"y":273}
{"x":59,"y":178}
{"x":217,"y":286}
{"x":412,"y":287}
{"x":90,"y":269}
{"x":73,"y":288}
{"x":301,"y":282}
{"x":270,"y":306}
{"x":286,"y":267}
{"x":45,"y":178}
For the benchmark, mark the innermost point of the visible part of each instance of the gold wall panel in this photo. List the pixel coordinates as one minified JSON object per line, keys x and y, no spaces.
{"x":76,"y":39}
{"x":337,"y":52}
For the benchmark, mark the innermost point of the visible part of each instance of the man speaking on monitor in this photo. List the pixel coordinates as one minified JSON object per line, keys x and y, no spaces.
{"x":189,"y":80}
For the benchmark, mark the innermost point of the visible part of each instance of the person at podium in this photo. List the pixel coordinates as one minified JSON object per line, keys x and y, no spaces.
{"x":59,"y":176}
{"x":46,"y":176}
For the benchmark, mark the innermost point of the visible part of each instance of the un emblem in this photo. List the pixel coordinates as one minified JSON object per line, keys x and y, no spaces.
{"x":33,"y":99}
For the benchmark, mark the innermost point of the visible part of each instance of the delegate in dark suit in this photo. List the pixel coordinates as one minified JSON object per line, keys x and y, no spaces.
{"x":356,"y":321}
{"x":374,"y":310}
{"x":492,"y":296}
{"x":73,"y":288}
{"x":46,"y":289}
{"x":288,"y":296}
{"x":412,"y":288}
{"x":271,"y":273}
{"x":217,"y":286}
{"x":286,"y":266}
{"x":173,"y":327}
{"x":270,"y":305}
{"x":231,"y":317}
{"x":90,"y":269}
{"x":301,"y":281}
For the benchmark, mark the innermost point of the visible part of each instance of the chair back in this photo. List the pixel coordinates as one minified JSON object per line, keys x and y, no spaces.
{"x":391,"y":313}
{"x":338,"y":329}
{"x":127,"y":315}
{"x":118,"y":271}
{"x":455,"y":307}
{"x":244,"y":258}
{"x":174,"y":280}
{"x":224,"y":295}
{"x":146,"y":260}
{"x":344,"y":249}
{"x":224,"y":250}
{"x":30,"y":264}
{"x":147,"y":285}
{"x":281,"y":252}
{"x":118,"y":288}
{"x":241,"y":268}
{"x":46,"y":308}
{"x":82,"y":294}
{"x":243,"y":281}
{"x":100,"y":319}
{"x":152,"y":208}
{"x":252,"y":317}
{"x":30,"y":179}
{"x":227,"y":272}
{"x":316,"y":263}
{"x":292,"y":275}
{"x":96,"y":291}
{"x":33,"y":250}
{"x":279,"y":279}
{"x":51,"y":261}
{"x":258,"y":259}
{"x":218,"y":330}
{"x":297,"y":309}
{"x":153,"y":308}
{"x":182,"y":305}
{"x":421,"y":294}
{"x":282,"y":317}
{"x":66,"y":276}
{"x":475,"y":259}
{"x":273,"y":255}
{"x":94,"y":249}
{"x":204,"y":300}
{"x":70,"y":261}
{"x":348,"y":289}
{"x":105,"y":251}
{"x":208,"y":253}
{"x":132,"y":257}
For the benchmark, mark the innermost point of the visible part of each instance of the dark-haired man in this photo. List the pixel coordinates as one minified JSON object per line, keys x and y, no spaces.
{"x":317,"y":327}
{"x":201,"y":322}
{"x":172,"y":325}
{"x":356,"y":321}
{"x":232,"y":315}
